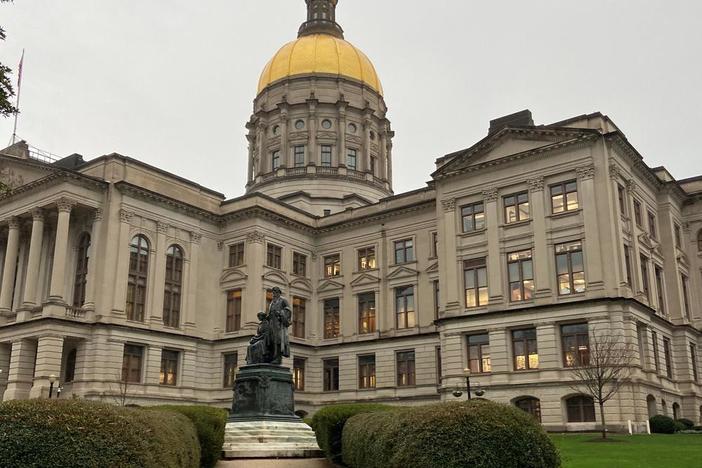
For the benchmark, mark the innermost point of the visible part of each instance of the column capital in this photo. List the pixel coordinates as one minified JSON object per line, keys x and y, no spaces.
{"x":585,"y":172}
{"x":14,"y":222}
{"x":536,"y":184}
{"x":125,"y":216}
{"x":255,"y":237}
{"x":65,"y":205}
{"x":38,"y":214}
{"x":631,"y":186}
{"x":195,"y":237}
{"x":490,"y":194}
{"x":98,"y":214}
{"x":162,"y":228}
{"x":614,"y":172}
{"x":449,"y":204}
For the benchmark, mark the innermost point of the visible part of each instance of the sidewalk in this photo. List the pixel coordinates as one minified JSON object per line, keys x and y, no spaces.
{"x":279,"y":463}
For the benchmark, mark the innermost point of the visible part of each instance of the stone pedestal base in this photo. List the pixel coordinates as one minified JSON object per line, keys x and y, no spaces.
{"x":270,"y":439}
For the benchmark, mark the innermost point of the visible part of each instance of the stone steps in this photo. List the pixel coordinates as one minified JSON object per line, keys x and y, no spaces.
{"x":268,"y":439}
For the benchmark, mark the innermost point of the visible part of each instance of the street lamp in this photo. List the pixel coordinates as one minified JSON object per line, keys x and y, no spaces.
{"x":52,"y":380}
{"x":59,"y":389}
{"x":466,"y":371}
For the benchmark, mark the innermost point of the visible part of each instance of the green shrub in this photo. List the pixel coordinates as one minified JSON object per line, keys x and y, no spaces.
{"x":686,"y":423}
{"x":662,"y":424}
{"x":679,"y":426}
{"x":697,"y":428}
{"x":79,"y":433}
{"x":209,"y":423}
{"x":328,"y":424}
{"x":455,"y":434}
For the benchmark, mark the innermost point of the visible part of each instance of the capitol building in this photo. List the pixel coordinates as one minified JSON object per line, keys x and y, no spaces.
{"x":122,"y":279}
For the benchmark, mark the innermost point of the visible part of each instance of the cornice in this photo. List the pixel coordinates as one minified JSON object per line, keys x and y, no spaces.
{"x":144,"y":194}
{"x":53,"y":179}
{"x":385,"y":214}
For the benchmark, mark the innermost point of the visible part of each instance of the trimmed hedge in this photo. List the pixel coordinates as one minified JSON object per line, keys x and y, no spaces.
{"x":687,"y":423}
{"x":477,"y":433}
{"x":209,"y":423}
{"x":328,"y":424}
{"x":79,"y":433}
{"x":662,"y":424}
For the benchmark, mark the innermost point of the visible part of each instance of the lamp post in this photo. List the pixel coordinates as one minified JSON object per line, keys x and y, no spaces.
{"x":52,"y":380}
{"x":466,"y":371}
{"x":59,"y":389}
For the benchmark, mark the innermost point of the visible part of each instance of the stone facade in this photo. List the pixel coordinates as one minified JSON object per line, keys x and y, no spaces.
{"x":175,"y":273}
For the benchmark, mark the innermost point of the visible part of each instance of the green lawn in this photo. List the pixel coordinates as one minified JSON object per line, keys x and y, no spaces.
{"x":657,"y":450}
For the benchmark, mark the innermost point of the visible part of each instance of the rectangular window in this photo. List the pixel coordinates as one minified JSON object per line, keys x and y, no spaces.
{"x":677,"y":236}
{"x":435,"y":285}
{"x":438,"y":366}
{"x":299,"y":264}
{"x":638,"y":217}
{"x":668,"y":358}
{"x":132,"y":362}
{"x":693,"y":361}
{"x":686,"y":296}
{"x":169,"y":367}
{"x":299,"y":154}
{"x":331,"y":375}
{"x":233,"y":311}
{"x":299,"y":374}
{"x":656,"y":358}
{"x":575,"y":340}
{"x":627,"y":261}
{"x":366,"y":313}
{"x":373,"y":164}
{"x":652,"y":230}
{"x":366,"y":371}
{"x":479,"y":353}
{"x":366,"y":259}
{"x":298,"y":318}
{"x":564,"y":197}
{"x":332,"y":265}
{"x":473,"y":217}
{"x":570,"y":269}
{"x":526,"y":354}
{"x":236,"y":255}
{"x":621,"y":193}
{"x":659,"y":289}
{"x":275,"y":160}
{"x":404,"y":307}
{"x":274,"y":256}
{"x":434,"y":244}
{"x":644,"y":277}
{"x":230,"y":363}
{"x":351,"y":159}
{"x":404,"y":251}
{"x":516,"y":207}
{"x":331,"y":318}
{"x":521,"y":276}
{"x":405,"y":369}
{"x":326,"y":155}
{"x":475,"y":282}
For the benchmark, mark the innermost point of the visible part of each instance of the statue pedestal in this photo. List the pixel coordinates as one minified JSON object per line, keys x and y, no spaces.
{"x":263,"y":423}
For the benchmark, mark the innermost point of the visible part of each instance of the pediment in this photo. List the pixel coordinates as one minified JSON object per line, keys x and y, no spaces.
{"x":18,"y":172}
{"x":275,"y":276}
{"x":301,"y":283}
{"x":232,"y":275}
{"x":403,"y":272}
{"x":329,"y":285}
{"x":434,"y":267}
{"x":364,"y":279}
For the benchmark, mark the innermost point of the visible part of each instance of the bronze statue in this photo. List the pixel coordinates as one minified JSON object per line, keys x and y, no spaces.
{"x":271,"y":342}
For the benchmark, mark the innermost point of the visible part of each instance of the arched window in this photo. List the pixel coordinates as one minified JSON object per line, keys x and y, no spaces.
{"x":70,"y":366}
{"x":581,"y":408}
{"x":676,"y":411}
{"x":81,"y":277}
{"x":530,"y":405}
{"x":138,"y":272}
{"x":651,"y":405}
{"x":664,"y":408}
{"x":173,"y":286}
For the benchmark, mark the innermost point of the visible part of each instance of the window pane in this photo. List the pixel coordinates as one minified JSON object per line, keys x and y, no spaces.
{"x":480,"y":221}
{"x":577,"y":260}
{"x":482,"y":277}
{"x":572,"y":201}
{"x":527,"y":269}
{"x":562,"y":264}
{"x":511,"y":214}
{"x":524,"y":211}
{"x":514,"y":272}
{"x":558,"y":204}
{"x":579,"y":282}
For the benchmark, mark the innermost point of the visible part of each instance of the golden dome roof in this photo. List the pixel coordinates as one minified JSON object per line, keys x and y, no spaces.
{"x":320,"y":53}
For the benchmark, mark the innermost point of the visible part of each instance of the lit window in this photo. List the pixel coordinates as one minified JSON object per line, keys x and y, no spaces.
{"x":169,"y":367}
{"x":233,"y":311}
{"x":299,"y":374}
{"x":475,"y":279}
{"x":516,"y":207}
{"x":564,"y":197}
{"x":405,"y":369}
{"x":331,"y":318}
{"x":366,"y":258}
{"x":366,"y":313}
{"x":332,"y":266}
{"x":575,"y":340}
{"x":570,"y":269}
{"x":366,"y":371}
{"x":473,"y":217}
{"x":404,"y":307}
{"x":298,"y":317}
{"x":521,"y":276}
{"x":230,"y":363}
{"x":524,"y":348}
{"x":479,"y":353}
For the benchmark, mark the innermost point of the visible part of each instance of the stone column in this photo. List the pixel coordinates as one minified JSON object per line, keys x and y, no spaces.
{"x":284,"y":145}
{"x":449,"y":285}
{"x":364,"y":162}
{"x":48,"y":362}
{"x":494,"y":260}
{"x":381,"y":170}
{"x":343,"y":123}
{"x":156,"y":309}
{"x":593,"y":247}
{"x":8,"y":277}
{"x":58,"y":270}
{"x":95,"y":241}
{"x":312,"y":153}
{"x":35,"y":245}
{"x":255,"y":299}
{"x":20,"y":373}
{"x":120,"y":298}
{"x":192,"y":279}
{"x":542,"y":278}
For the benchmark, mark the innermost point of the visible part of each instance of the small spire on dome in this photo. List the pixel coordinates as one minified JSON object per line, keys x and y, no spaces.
{"x":321,"y":19}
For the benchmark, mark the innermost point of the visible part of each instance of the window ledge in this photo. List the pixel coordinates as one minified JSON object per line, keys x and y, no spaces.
{"x":517,"y":224}
{"x":404,"y":263}
{"x":367,"y":270}
{"x":299,"y":276}
{"x":565,"y":214}
{"x":474,"y":233}
{"x":575,"y":295}
{"x":521,"y":303}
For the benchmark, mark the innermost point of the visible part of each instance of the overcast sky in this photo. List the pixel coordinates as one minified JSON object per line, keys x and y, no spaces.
{"x":171,"y":82}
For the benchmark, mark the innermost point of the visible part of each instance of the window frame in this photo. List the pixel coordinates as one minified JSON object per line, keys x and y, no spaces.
{"x":656,"y":355}
{"x":229,"y":372}
{"x":331,"y":318}
{"x":298,"y":373}
{"x":569,"y":255}
{"x":482,"y":357}
{"x":668,"y":355}
{"x":275,"y":160}
{"x":299,"y":264}
{"x":520,"y":262}
{"x":326,"y":150}
{"x":170,"y":361}
{"x":129,"y":356}
{"x":236,"y":254}
{"x":405,"y":368}
{"x":473,"y":217}
{"x":533,"y":407}
{"x":645,"y":280}
{"x":638,"y":213}
{"x":404,"y":251}
{"x":685,"y":291}
{"x":299,"y":312}
{"x":138,"y":279}
{"x":519,"y":217}
{"x":677,"y":235}
{"x":652,"y":225}
{"x":173,"y":286}
{"x":332,"y":265}
{"x":352,"y":159}
{"x":367,"y":254}
{"x":628,"y":266}
{"x":621,"y":195}
{"x":369,"y":313}
{"x":579,"y":402}
{"x":563,"y":186}
{"x":274,"y":256}
{"x":81,"y":273}
{"x":580,"y":357}
{"x":233,"y":310}
{"x":526,"y":341}
{"x":405,"y":315}
{"x":366,"y":372}
{"x":693,"y":361}
{"x":299,"y":155}
{"x":473,"y":267}
{"x":330,"y":374}
{"x":660,"y":288}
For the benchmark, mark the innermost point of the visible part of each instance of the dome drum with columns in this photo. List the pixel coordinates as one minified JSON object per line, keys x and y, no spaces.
{"x":319,"y":137}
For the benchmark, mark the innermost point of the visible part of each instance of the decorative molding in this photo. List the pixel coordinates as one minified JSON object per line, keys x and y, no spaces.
{"x":14,"y":222}
{"x":220,"y":245}
{"x":98,"y":214}
{"x":162,"y":228}
{"x":536,"y":184}
{"x":614,"y":172}
{"x":195,"y":237}
{"x":585,"y":172}
{"x":449,"y":204}
{"x":255,"y":237}
{"x":631,"y":186}
{"x":38,"y":214}
{"x":65,"y":205}
{"x":490,"y":194}
{"x":126,"y":216}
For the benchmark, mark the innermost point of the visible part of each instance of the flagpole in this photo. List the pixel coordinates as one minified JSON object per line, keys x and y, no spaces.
{"x":19,"y":91}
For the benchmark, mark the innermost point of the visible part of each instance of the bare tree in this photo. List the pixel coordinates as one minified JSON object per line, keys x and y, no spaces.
{"x":120,"y":392}
{"x":604,"y":370}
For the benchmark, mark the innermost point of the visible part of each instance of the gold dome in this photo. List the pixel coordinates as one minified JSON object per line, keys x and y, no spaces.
{"x":320,"y":53}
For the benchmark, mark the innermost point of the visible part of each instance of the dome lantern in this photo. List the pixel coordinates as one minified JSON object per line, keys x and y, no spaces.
{"x":321,"y":19}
